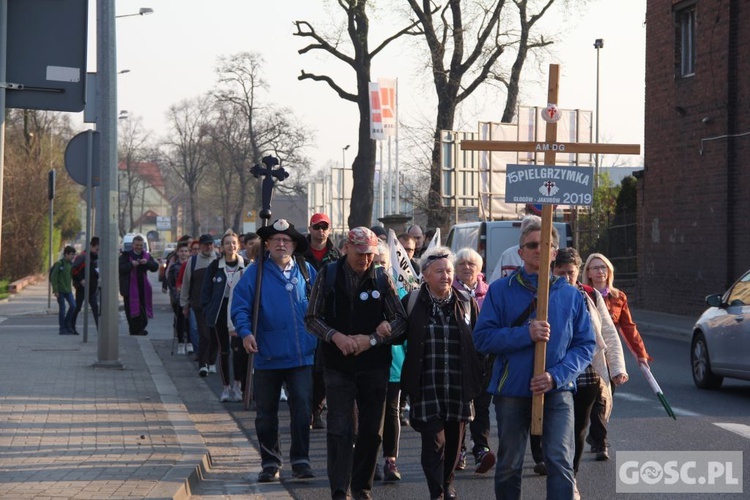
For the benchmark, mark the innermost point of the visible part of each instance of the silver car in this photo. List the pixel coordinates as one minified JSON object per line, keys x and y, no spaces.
{"x":721,"y":337}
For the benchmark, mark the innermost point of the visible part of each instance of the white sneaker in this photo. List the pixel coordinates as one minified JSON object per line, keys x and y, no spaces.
{"x":226,"y":394}
{"x":211,"y":368}
{"x":189,"y":348}
{"x":181,"y":349}
{"x":237,"y":392}
{"x":283,"y":397}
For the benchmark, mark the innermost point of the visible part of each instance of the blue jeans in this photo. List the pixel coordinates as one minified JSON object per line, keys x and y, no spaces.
{"x":513,"y":422}
{"x":346,"y":465}
{"x":66,"y":320}
{"x":267,"y":389}
{"x":193,"y":330}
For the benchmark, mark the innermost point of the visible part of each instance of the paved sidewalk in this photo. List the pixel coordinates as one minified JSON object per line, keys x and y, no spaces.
{"x":71,"y":430}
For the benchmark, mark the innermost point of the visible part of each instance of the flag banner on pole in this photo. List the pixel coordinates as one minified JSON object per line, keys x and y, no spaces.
{"x":388,"y":105}
{"x":657,"y":390}
{"x":376,"y":113}
{"x":402,"y":270}
{"x":435,"y":241}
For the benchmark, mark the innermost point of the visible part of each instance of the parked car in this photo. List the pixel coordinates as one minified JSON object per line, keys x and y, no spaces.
{"x":127,"y":242}
{"x":721,"y":337}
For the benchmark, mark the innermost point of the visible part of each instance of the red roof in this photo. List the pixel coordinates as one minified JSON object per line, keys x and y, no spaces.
{"x":148,"y":171}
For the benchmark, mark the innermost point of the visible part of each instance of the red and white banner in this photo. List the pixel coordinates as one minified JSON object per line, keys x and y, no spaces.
{"x":383,"y":109}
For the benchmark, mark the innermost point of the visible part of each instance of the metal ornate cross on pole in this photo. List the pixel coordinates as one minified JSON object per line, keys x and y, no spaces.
{"x":548,"y":185}
{"x":270,"y":174}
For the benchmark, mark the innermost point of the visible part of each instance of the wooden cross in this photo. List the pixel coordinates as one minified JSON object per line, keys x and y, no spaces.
{"x":550,"y":147}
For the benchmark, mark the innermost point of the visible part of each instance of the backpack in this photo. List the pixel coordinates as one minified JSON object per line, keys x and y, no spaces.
{"x":52,"y":269}
{"x":77,"y":272}
{"x":302,"y":263}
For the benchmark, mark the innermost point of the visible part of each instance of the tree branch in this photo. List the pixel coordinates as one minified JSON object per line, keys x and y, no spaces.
{"x":322,"y":44}
{"x":325,"y":78}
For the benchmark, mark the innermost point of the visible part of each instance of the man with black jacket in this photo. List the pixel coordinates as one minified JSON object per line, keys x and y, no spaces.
{"x":79,"y":280}
{"x":356,"y":312}
{"x":320,"y":251}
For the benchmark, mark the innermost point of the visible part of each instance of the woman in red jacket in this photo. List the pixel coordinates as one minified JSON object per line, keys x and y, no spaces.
{"x":599,"y":273}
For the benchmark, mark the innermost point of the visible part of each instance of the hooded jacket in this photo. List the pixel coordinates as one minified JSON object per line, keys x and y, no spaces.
{"x":570,"y":348}
{"x":283,"y":341}
{"x":215,"y":283}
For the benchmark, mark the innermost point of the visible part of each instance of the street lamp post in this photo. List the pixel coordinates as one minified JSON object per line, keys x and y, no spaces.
{"x":598,"y":44}
{"x":343,"y":183}
{"x":141,"y":12}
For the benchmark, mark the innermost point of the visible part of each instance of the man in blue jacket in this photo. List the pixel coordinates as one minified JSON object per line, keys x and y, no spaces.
{"x":507,"y":327}
{"x":283,"y":348}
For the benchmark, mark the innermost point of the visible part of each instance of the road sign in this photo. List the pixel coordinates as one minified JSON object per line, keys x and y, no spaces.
{"x":551,"y":185}
{"x":46,"y":60}
{"x":76,"y":158}
{"x":163,"y":223}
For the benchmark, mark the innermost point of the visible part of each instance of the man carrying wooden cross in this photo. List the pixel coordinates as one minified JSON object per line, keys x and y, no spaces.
{"x":507,"y":326}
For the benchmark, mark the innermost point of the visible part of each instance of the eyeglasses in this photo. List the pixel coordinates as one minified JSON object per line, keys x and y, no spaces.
{"x":320,"y":226}
{"x":531,"y":245}
{"x":280,"y":239}
{"x":598,"y":269}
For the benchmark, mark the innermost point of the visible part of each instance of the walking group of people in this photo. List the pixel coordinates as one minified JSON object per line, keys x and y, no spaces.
{"x":331,"y":327}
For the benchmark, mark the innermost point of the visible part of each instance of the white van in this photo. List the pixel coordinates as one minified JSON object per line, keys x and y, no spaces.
{"x":127,"y":242}
{"x":491,"y":238}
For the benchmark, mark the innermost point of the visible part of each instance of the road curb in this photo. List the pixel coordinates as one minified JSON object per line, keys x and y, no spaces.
{"x":196,"y":460}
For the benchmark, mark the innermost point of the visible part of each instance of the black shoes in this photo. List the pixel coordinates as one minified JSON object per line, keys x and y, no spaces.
{"x":540,"y":468}
{"x":317,"y":422}
{"x":601,"y":453}
{"x":302,"y":471}
{"x":268,"y":475}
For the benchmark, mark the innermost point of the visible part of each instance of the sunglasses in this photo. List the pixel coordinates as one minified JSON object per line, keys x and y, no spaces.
{"x":438,"y":256}
{"x":321,"y":225}
{"x":532,"y":245}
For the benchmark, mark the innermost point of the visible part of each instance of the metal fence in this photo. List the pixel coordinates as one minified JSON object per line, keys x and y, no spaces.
{"x":616,"y":238}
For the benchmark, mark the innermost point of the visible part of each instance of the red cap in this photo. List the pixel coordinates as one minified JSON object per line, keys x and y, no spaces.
{"x":319,"y":218}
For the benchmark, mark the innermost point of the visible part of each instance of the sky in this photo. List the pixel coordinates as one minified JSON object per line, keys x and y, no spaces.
{"x":171,"y":55}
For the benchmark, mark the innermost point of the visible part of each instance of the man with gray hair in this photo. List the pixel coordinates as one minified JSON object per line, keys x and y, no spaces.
{"x":507,"y":326}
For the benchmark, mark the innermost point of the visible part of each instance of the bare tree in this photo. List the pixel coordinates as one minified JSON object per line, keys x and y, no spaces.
{"x":358,"y":29}
{"x":131,"y":150}
{"x":464,"y":50}
{"x":186,"y":146}
{"x":35,"y":143}
{"x":267,"y":128}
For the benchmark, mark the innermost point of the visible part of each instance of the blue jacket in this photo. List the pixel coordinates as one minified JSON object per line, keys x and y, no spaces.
{"x":283,"y":341}
{"x":569,"y":350}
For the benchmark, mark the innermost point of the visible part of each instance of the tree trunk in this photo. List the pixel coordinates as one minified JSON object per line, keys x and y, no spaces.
{"x":363,"y":169}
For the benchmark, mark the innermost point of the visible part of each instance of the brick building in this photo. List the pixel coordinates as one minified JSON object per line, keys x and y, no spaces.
{"x":693,"y":200}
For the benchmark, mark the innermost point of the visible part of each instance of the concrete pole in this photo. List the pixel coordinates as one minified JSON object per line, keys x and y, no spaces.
{"x":106,"y":67}
{"x":3,"y":78}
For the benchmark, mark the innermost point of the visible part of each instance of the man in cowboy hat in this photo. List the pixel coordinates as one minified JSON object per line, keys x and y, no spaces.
{"x":285,"y":349}
{"x":355,"y":311}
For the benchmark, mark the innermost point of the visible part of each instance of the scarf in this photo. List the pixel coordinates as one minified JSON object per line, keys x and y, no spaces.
{"x":135,"y":305}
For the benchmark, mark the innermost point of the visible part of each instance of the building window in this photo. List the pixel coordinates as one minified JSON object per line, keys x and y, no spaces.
{"x":685,"y":24}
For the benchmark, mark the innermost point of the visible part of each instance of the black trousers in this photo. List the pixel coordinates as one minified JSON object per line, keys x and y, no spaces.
{"x":80,"y":292}
{"x":583,"y":401}
{"x":479,"y":428}
{"x":136,"y":324}
{"x":441,"y":445}
{"x":347,"y":465}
